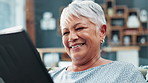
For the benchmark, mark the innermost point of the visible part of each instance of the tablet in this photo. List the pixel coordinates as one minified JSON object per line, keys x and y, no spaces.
{"x":20,"y":62}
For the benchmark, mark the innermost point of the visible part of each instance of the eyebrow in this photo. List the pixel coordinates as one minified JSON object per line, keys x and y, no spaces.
{"x":76,"y":24}
{"x":72,"y":26}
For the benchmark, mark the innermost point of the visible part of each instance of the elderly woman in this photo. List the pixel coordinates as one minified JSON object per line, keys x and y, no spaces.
{"x":83,"y":28}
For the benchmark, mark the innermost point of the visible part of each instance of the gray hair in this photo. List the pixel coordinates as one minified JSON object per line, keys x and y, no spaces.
{"x":88,"y":9}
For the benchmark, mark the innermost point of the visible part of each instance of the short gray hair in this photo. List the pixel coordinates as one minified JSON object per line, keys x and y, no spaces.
{"x":88,"y":9}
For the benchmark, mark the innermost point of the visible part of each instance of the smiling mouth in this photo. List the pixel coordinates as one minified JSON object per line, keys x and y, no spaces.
{"x":78,"y":45}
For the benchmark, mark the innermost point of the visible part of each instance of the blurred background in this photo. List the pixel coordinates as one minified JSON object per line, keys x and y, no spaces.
{"x":127,"y":21}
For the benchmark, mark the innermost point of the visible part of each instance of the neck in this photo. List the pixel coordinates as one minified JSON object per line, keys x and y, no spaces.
{"x":88,"y":65}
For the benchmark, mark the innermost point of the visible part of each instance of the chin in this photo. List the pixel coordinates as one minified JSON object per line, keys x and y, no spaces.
{"x":76,"y":57}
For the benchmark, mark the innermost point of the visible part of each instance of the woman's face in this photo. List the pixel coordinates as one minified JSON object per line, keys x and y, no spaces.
{"x":81,"y":39}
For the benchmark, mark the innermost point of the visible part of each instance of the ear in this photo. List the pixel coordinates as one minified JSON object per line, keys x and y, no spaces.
{"x":103,"y":31}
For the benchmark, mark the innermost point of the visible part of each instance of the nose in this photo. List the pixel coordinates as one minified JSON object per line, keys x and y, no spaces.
{"x":73,"y":37}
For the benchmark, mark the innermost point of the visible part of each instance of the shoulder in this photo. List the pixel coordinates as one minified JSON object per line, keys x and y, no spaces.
{"x":125,"y":67}
{"x":129,"y":72}
{"x":120,"y":67}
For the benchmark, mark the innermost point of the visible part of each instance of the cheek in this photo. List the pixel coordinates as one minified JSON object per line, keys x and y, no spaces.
{"x":89,"y":35}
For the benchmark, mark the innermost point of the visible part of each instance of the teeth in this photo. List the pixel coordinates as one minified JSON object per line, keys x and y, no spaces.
{"x":76,"y":46}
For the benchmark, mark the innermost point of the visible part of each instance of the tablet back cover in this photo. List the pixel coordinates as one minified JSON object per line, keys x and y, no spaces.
{"x":19,"y":60}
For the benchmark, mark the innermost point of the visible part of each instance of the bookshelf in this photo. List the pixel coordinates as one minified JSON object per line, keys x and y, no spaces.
{"x":121,"y":30}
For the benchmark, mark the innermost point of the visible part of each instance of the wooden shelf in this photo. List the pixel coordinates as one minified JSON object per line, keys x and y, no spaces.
{"x":50,"y":50}
{"x":120,"y":48}
{"x":145,"y":44}
{"x":130,"y":32}
{"x":143,"y":32}
{"x":106,"y":49}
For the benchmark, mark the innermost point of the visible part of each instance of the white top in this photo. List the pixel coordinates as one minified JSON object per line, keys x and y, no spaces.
{"x":114,"y":72}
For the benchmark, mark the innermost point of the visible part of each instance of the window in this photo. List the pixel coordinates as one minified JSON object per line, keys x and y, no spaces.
{"x":12,"y":13}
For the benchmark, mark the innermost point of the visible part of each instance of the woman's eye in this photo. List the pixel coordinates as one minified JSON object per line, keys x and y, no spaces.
{"x":80,"y":28}
{"x":65,"y":33}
